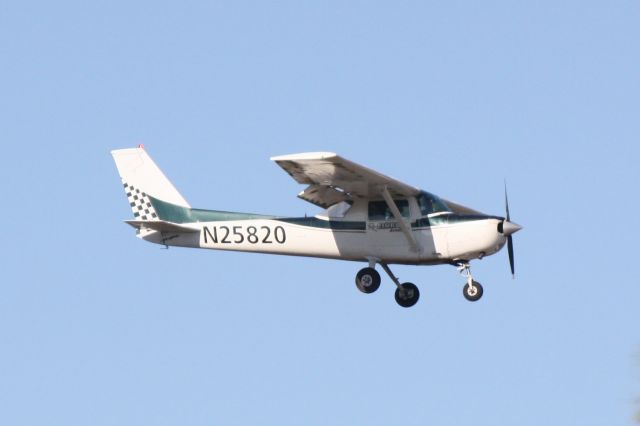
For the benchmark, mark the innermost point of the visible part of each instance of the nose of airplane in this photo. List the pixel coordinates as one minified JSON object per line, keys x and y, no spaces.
{"x":509,"y":228}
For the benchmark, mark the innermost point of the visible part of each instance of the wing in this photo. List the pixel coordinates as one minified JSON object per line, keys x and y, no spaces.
{"x":333,"y":179}
{"x":460,"y":209}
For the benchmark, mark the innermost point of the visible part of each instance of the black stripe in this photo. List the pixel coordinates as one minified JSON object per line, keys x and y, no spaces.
{"x":314,"y":222}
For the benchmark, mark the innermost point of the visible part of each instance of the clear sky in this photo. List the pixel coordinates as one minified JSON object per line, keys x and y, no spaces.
{"x":100,"y":328}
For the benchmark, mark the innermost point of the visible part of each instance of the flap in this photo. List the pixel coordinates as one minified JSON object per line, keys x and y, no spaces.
{"x":323,"y":196}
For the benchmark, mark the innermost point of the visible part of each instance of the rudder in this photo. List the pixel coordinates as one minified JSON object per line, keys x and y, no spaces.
{"x":142,"y":178}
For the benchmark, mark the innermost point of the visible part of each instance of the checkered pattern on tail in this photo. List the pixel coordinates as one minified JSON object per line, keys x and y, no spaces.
{"x":140,"y":203}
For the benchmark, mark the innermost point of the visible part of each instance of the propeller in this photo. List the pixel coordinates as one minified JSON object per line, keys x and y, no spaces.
{"x":509,"y":228}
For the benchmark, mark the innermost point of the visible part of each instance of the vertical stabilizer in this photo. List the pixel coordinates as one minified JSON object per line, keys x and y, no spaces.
{"x":142,"y":178}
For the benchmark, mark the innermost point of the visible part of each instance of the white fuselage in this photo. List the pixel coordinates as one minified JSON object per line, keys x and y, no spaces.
{"x":443,"y":238}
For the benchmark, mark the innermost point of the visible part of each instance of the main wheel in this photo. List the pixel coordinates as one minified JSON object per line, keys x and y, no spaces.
{"x":368,"y":280}
{"x":407,"y":295}
{"x":474,"y":292}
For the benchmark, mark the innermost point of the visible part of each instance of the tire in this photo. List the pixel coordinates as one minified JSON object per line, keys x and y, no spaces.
{"x":472,"y":295}
{"x":368,"y":280}
{"x":408,"y":296}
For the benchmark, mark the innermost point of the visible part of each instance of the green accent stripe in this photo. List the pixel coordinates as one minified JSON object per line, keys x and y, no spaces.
{"x":450,"y":219}
{"x":177,"y":214}
{"x":314,"y":222}
{"x":459,"y":218}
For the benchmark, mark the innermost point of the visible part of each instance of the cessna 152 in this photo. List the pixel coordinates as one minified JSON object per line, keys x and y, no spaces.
{"x":369,"y":217}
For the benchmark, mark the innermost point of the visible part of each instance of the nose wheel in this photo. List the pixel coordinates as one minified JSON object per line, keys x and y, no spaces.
{"x":472,"y":290}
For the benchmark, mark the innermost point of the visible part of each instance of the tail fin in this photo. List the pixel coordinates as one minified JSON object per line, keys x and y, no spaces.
{"x":141,"y":179}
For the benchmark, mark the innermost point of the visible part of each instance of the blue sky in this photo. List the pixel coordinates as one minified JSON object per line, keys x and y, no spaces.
{"x":97,"y":327}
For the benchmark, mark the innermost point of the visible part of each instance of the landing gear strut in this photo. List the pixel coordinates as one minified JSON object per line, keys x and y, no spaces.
{"x":368,"y":281}
{"x":472,"y":290}
{"x":407,"y":294}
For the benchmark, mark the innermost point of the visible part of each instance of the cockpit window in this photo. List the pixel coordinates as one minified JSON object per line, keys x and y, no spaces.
{"x":430,"y":203}
{"x":379,"y":210}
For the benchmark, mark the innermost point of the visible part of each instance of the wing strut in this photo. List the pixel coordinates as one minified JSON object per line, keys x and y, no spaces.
{"x":403,"y":225}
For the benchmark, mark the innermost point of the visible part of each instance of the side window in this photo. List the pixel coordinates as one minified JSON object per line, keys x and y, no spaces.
{"x":378,"y":210}
{"x":403,"y":206}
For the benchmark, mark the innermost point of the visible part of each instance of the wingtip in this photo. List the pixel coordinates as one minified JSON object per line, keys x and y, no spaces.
{"x":123,"y":150}
{"x":304,"y":156}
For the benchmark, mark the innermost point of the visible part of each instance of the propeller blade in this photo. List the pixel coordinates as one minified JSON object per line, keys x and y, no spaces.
{"x":510,"y":248}
{"x":506,"y":201}
{"x":511,"y":228}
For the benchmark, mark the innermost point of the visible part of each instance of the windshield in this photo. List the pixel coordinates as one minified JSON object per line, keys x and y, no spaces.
{"x":430,"y":203}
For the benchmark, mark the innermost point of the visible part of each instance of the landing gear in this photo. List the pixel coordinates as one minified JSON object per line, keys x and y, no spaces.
{"x":472,"y":290}
{"x":407,"y":295}
{"x":368,"y":280}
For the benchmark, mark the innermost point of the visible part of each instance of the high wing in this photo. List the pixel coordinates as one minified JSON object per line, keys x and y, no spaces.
{"x":333,"y":179}
{"x":460,"y":209}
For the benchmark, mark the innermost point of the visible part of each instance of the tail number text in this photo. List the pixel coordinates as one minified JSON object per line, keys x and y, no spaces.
{"x":240,"y":234}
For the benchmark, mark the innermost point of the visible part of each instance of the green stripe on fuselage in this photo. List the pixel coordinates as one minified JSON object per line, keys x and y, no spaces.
{"x":314,"y":222}
{"x":177,"y":214}
{"x":450,"y":219}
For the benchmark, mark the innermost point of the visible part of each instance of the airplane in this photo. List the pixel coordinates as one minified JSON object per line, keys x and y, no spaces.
{"x":367,"y":217}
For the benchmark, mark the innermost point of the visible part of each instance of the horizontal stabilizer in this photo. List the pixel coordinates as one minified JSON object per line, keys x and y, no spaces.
{"x":161,"y":226}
